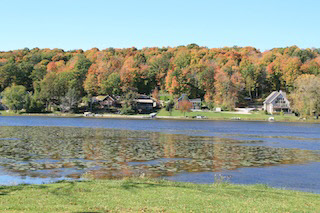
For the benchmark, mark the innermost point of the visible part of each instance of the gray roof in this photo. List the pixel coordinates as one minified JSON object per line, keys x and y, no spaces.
{"x":274,"y":95}
{"x":183,"y":97}
{"x":196,"y":100}
{"x":143,"y":96}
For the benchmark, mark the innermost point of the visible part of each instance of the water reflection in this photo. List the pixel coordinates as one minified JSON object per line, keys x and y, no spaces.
{"x":67,"y":152}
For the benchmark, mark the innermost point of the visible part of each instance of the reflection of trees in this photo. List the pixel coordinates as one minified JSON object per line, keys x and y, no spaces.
{"x":92,"y":147}
{"x":109,"y":151}
{"x":168,"y":143}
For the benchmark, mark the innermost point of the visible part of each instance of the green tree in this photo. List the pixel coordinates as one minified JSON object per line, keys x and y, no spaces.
{"x":182,"y":59}
{"x":129,"y":105}
{"x":33,"y":103}
{"x":54,"y":86}
{"x":247,"y":70}
{"x":80,"y":71}
{"x":158,"y":70}
{"x":38,"y":72}
{"x":112,"y":85}
{"x":7,"y":75}
{"x":169,"y":106}
{"x":23,"y":76}
{"x":16,"y":73}
{"x":14,"y":97}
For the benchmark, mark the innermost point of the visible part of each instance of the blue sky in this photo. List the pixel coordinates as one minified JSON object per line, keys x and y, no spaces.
{"x":78,"y":24}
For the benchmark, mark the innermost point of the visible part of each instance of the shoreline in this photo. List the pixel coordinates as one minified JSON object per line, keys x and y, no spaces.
{"x":147,"y":117}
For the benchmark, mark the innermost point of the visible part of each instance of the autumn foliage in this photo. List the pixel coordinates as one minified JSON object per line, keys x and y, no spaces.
{"x":223,"y":76}
{"x":184,"y":106}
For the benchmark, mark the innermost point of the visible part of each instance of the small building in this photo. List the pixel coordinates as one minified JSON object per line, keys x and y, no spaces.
{"x":277,"y":102}
{"x":145,"y":104}
{"x":196,"y":103}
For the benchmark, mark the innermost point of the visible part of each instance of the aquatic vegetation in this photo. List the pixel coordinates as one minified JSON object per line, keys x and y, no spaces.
{"x":112,"y":153}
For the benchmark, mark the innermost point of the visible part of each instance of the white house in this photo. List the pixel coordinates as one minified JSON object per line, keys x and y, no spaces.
{"x":277,"y":102}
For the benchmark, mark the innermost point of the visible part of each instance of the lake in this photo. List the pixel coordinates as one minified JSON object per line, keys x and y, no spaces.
{"x":47,"y":149}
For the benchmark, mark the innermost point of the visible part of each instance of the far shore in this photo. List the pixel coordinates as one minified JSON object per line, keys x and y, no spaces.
{"x":221,"y":116}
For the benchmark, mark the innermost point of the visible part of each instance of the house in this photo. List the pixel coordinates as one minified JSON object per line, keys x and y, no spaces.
{"x":196,"y":103}
{"x":277,"y":102}
{"x":145,"y":104}
{"x":106,"y":101}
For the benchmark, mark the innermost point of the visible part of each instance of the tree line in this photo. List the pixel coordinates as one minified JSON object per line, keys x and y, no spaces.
{"x":222,"y":77}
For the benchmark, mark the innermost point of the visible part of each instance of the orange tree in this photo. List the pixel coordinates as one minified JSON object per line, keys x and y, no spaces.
{"x":184,"y":106}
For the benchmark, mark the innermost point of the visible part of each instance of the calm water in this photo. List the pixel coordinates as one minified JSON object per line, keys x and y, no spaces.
{"x":48,"y":149}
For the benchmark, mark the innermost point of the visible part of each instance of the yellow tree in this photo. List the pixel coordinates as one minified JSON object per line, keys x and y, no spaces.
{"x":306,"y":95}
{"x":291,"y":70}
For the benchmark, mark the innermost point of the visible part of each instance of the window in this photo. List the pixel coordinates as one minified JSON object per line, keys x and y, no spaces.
{"x":280,"y":101}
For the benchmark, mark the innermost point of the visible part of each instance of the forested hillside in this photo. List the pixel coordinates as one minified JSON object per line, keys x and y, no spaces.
{"x":222,"y":76}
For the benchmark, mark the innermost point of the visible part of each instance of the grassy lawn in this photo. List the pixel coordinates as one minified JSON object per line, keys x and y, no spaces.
{"x":153,"y":196}
{"x":228,"y":116}
{"x":8,"y":113}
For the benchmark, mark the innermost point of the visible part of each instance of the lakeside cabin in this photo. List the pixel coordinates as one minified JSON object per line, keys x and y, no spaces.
{"x":106,"y":101}
{"x":145,"y":104}
{"x":277,"y":102}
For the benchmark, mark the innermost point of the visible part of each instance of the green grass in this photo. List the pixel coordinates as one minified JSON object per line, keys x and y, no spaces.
{"x":8,"y":113}
{"x":228,"y":116}
{"x":153,"y":196}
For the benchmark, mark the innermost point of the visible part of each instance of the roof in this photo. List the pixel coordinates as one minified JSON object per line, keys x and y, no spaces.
{"x":142,"y":96}
{"x":103,"y":97}
{"x":196,"y":100}
{"x":144,"y":101}
{"x":183,"y":97}
{"x":273,"y":96}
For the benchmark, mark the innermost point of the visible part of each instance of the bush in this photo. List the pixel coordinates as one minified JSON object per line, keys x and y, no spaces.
{"x":169,"y":106}
{"x":127,"y":110}
{"x":210,"y":105}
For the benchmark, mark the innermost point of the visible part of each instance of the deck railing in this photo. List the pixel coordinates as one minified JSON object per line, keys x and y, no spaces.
{"x":281,"y":106}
